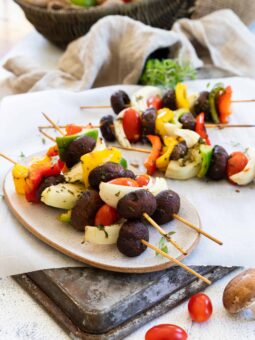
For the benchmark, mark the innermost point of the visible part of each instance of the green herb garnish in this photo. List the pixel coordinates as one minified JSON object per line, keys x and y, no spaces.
{"x":166,"y":72}
{"x":101,"y":227}
{"x":22,"y":155}
{"x":162,"y":245}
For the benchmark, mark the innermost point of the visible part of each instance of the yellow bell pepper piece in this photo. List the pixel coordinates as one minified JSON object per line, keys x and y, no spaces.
{"x":182,"y":101}
{"x":95,"y":158}
{"x":163,"y":161}
{"x":19,"y":174}
{"x":164,"y":116}
{"x":39,"y":161}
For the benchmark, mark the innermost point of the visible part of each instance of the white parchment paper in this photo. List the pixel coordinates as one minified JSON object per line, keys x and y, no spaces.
{"x":226,"y":211}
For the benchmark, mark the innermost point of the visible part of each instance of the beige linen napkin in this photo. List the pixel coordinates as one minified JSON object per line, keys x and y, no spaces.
{"x":115,"y":50}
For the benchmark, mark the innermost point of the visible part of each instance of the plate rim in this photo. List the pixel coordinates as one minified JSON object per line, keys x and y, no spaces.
{"x":63,"y":250}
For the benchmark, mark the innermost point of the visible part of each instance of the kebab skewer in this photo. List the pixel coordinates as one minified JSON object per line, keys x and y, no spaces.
{"x":180,"y":153}
{"x":216,"y":104}
{"x":133,"y":235}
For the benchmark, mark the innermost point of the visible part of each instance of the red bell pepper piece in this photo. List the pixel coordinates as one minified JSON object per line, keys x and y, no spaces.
{"x":224,"y":104}
{"x":72,"y":129}
{"x":150,"y":162}
{"x":53,"y":151}
{"x":37,"y":173}
{"x":201,"y":129}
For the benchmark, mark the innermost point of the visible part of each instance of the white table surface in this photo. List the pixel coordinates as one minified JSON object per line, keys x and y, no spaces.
{"x":22,"y":318}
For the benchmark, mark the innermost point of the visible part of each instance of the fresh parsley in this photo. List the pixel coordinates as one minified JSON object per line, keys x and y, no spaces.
{"x":22,"y":155}
{"x":162,"y":245}
{"x":166,"y":72}
{"x":101,"y":227}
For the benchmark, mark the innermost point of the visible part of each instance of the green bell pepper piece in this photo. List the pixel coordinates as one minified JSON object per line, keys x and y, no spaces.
{"x":212,"y":102}
{"x":64,"y":141}
{"x":123,"y":162}
{"x":84,"y":3}
{"x":206,"y":152}
{"x":177,"y":116}
{"x":65,"y":217}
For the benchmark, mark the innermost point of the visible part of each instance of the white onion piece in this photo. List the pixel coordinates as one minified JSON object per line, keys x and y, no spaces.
{"x":140,"y":97}
{"x":191,"y":137}
{"x":175,"y":171}
{"x":119,"y":131}
{"x":107,"y":236}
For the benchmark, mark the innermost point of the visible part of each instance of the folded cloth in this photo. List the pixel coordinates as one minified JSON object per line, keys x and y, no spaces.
{"x":116,"y":48}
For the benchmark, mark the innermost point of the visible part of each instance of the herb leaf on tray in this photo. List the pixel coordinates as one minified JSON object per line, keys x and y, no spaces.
{"x":166,"y":72}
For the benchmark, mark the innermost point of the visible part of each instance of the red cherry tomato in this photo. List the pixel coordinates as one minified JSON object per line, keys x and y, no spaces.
{"x":127,"y":182}
{"x":72,"y":129}
{"x":236,"y":163}
{"x":142,"y":180}
{"x":155,"y":101}
{"x":106,"y":216}
{"x":200,"y":307}
{"x":132,"y":125}
{"x":166,"y":332}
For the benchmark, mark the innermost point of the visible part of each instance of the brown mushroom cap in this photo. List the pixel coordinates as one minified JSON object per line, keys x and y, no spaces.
{"x":240,"y":292}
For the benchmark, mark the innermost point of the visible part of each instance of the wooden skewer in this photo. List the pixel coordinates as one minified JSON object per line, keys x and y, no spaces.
{"x":109,"y":106}
{"x":191,"y":225}
{"x":223,"y":126}
{"x":89,"y":125}
{"x":118,"y":147}
{"x":243,"y":101}
{"x":53,"y":124}
{"x":46,"y":134}
{"x":134,"y":149}
{"x":7,"y":158}
{"x":163,"y":233}
{"x":179,"y":263}
{"x":95,"y":107}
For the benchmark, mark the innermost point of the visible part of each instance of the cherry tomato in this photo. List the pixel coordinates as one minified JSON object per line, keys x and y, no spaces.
{"x":132,"y":125}
{"x":236,"y":163}
{"x":106,"y":216}
{"x":166,"y":332}
{"x":200,"y":307}
{"x":72,"y":129}
{"x":155,"y":101}
{"x":142,"y":180}
{"x":127,"y":182}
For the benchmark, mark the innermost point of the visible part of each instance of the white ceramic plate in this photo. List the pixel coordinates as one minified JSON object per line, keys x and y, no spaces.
{"x":42,"y":222}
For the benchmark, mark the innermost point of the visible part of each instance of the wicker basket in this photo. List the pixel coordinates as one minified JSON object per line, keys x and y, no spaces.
{"x":63,"y":26}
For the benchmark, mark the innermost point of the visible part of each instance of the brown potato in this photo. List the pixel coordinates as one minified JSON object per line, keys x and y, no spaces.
{"x":168,"y":203}
{"x":218,"y":166}
{"x":133,"y":205}
{"x":85,"y":209}
{"x":77,"y":148}
{"x":107,"y":172}
{"x":130,"y":236}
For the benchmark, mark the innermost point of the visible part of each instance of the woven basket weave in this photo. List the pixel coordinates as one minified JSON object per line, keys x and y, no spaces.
{"x":63,"y":26}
